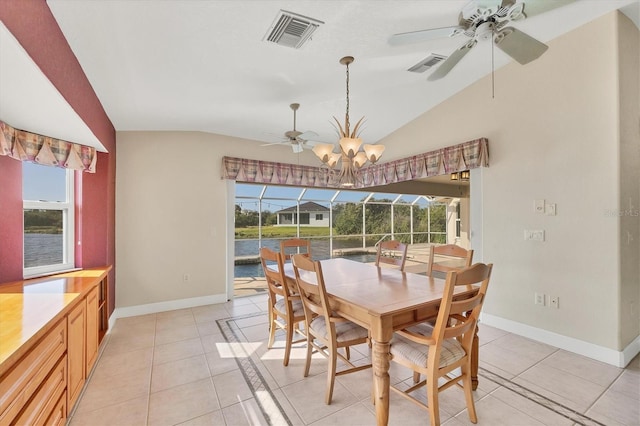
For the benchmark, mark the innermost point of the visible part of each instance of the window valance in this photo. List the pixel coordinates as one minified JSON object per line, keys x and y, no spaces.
{"x":26,"y":146}
{"x":456,"y":158}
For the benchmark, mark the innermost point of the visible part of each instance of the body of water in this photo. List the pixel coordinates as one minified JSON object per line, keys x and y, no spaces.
{"x":319,"y":249}
{"x":42,"y":249}
{"x":47,"y":249}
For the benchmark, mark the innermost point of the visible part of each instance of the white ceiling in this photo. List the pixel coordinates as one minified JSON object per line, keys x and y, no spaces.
{"x":204,"y":66}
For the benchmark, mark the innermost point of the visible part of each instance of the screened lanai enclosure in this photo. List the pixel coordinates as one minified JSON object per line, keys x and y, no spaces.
{"x":338,"y":222}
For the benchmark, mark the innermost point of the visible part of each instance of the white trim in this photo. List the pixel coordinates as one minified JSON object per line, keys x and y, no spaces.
{"x":580,"y":347}
{"x":68,"y":227}
{"x":171,"y":305}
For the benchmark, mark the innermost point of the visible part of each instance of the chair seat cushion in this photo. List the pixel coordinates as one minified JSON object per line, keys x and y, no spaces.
{"x":345,"y":331}
{"x":417,"y":353}
{"x":296,"y":304}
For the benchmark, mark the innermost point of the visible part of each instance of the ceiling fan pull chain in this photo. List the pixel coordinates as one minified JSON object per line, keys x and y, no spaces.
{"x":493,"y":85}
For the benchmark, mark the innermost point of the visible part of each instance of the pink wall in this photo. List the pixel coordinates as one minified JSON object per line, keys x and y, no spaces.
{"x":33,"y":25}
{"x":10,"y":219}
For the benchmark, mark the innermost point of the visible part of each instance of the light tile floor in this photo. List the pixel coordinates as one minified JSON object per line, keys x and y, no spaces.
{"x":210,"y":366}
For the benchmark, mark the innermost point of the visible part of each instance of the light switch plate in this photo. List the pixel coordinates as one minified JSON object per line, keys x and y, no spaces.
{"x":550,"y":209}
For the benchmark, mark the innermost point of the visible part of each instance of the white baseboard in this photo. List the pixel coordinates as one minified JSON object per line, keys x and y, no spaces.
{"x":153,"y":308}
{"x":599,"y":353}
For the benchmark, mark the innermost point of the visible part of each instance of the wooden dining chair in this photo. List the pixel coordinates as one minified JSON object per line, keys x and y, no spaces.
{"x":448,"y":346}
{"x":392,"y":252}
{"x":323,"y":326}
{"x":448,"y":257}
{"x":285,"y":307}
{"x":295,"y":246}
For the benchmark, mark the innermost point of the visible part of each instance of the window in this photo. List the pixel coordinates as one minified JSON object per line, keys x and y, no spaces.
{"x":47,"y":194}
{"x":318,"y":216}
{"x":304,"y":218}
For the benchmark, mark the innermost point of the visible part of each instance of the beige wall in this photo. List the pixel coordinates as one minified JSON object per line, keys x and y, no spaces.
{"x":171,"y":214}
{"x":554,"y":134}
{"x":629,"y":207}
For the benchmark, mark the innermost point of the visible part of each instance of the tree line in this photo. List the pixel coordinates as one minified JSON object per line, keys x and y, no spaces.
{"x":347,"y":218}
{"x":43,"y":221}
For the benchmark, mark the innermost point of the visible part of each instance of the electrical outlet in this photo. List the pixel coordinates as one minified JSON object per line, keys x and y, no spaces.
{"x":538,"y":206}
{"x":554,"y":302}
{"x":185,"y":277}
{"x":539,"y":299}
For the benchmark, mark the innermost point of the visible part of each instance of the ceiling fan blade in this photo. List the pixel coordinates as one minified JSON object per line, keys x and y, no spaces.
{"x":520,"y":46}
{"x":536,"y":7}
{"x":424,"y":35}
{"x":451,"y":61}
{"x":307,"y":135}
{"x":275,"y":143}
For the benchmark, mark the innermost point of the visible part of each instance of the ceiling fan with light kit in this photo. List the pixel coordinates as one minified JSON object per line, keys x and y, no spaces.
{"x":298,"y":140}
{"x":481,"y":20}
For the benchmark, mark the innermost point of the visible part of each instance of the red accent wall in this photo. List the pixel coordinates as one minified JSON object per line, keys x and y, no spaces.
{"x":33,"y":25}
{"x":11,"y":242}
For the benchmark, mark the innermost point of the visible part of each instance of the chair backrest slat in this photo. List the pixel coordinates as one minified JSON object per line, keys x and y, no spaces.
{"x":295,"y":246}
{"x":458,"y":318}
{"x":392,"y":252}
{"x":455,"y":258}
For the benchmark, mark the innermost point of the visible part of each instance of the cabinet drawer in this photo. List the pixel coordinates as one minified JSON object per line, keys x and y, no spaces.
{"x":46,"y":398}
{"x":22,"y":380}
{"x":58,"y":416}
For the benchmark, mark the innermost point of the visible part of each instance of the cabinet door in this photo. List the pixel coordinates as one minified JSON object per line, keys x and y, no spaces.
{"x":76,"y":352}
{"x":92,"y":329}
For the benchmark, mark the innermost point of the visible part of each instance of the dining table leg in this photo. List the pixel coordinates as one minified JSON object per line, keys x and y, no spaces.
{"x":380,"y":354}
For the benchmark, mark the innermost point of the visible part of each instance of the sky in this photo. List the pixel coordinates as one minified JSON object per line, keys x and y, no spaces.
{"x":43,"y":182}
{"x":279,"y":197}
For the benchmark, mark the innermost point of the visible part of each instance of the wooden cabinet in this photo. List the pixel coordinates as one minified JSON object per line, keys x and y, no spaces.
{"x":51,"y":332}
{"x":92,"y":330}
{"x":38,"y":380}
{"x":76,"y":329}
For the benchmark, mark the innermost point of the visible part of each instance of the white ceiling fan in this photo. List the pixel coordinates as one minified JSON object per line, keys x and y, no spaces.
{"x":297,"y":140}
{"x":487,"y":20}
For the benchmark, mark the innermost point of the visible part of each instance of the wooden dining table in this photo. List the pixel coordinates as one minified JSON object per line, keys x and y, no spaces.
{"x":383,"y":300}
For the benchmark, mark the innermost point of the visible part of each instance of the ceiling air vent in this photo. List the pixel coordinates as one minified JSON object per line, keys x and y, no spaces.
{"x":428,"y":62}
{"x":291,"y":30}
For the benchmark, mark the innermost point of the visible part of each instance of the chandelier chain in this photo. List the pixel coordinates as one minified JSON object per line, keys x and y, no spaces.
{"x":347,"y":114}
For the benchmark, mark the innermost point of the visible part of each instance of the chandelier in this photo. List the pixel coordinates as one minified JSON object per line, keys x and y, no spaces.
{"x":350,"y":157}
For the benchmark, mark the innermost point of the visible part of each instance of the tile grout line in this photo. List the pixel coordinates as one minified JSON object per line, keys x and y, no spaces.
{"x":250,"y":372}
{"x":539,"y":399}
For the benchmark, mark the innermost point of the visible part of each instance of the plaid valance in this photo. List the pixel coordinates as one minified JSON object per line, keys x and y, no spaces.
{"x":456,"y":158}
{"x":26,"y":146}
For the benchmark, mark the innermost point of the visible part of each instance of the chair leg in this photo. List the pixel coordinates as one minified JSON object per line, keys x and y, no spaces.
{"x":309,"y":350}
{"x":287,"y":350}
{"x":272,"y":329}
{"x":432,"y":401}
{"x":331,"y":375}
{"x":467,"y":385}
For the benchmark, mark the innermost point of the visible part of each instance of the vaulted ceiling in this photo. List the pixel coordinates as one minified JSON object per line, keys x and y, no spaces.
{"x":206,"y":66}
